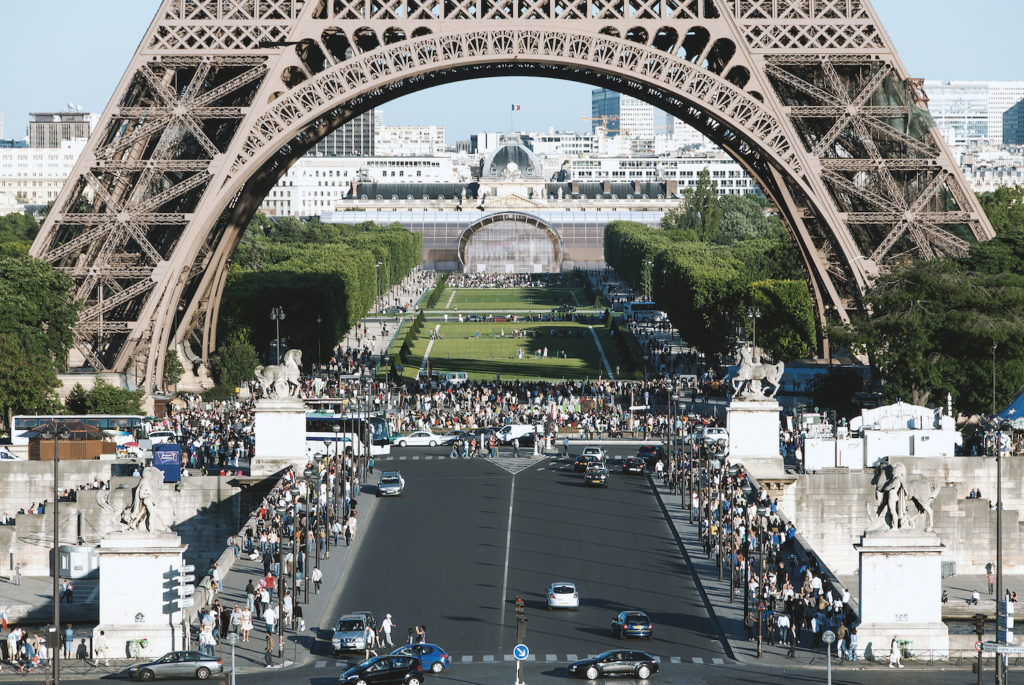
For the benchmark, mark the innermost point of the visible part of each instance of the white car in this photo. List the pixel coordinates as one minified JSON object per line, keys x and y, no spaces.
{"x":594,"y":451}
{"x":713,"y":434}
{"x":162,"y":437}
{"x":563,"y":595}
{"x":7,"y":455}
{"x":420,"y":439}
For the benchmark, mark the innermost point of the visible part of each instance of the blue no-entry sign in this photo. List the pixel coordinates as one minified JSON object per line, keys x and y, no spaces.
{"x":520,"y":652}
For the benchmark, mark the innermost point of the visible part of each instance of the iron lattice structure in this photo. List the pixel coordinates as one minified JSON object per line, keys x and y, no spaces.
{"x":223,"y":95}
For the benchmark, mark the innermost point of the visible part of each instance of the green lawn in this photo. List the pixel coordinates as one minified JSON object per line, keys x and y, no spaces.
{"x":488,"y":355}
{"x":509,"y":299}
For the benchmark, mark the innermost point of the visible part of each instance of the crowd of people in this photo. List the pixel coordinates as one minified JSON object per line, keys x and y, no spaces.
{"x":489,"y":280}
{"x":214,"y":436}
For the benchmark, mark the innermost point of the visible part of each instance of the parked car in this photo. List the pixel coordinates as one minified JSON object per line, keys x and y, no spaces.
{"x":420,"y":439}
{"x":583,"y":462}
{"x":385,"y":669}
{"x":563,"y":594}
{"x":474,"y":318}
{"x":349,"y":633}
{"x":634,"y":465}
{"x":178,"y":665}
{"x":431,"y":657}
{"x":394,"y":310}
{"x":596,"y":476}
{"x":390,"y":484}
{"x":632,"y":624}
{"x":622,"y":662}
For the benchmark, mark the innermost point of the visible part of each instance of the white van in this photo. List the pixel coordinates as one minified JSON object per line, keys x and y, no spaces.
{"x":512,"y":431}
{"x":454,"y":377}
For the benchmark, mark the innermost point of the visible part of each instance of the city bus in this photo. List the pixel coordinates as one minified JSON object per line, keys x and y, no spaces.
{"x":351,"y":432}
{"x":643,"y":311}
{"x":111,"y":423}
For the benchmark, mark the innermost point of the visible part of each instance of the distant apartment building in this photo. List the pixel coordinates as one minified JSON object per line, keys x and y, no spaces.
{"x":621,"y":114}
{"x":48,"y":130}
{"x":970,"y":113}
{"x":568,"y":143}
{"x":1013,"y":125}
{"x":33,"y":175}
{"x":353,"y":139}
{"x":409,"y":141}
{"x":989,"y":170}
{"x":678,"y":172}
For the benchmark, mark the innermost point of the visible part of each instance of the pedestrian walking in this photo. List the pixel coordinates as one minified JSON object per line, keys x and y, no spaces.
{"x":369,"y":641}
{"x":69,"y":641}
{"x":387,"y":625}
{"x":270,"y":618}
{"x":99,"y":648}
{"x":515,"y":448}
{"x":894,"y":653}
{"x":317,"y":577}
{"x":17,"y":573}
{"x":268,"y":650}
{"x":246,"y":624}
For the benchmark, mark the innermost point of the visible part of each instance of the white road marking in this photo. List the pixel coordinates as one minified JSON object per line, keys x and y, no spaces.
{"x":550,"y":657}
{"x":488,"y":658}
{"x":321,"y":664}
{"x":508,"y":550}
{"x":572,"y":657}
{"x":467,"y":659}
{"x":607,"y":366}
{"x":415,"y":457}
{"x":675,"y":660}
{"x":429,"y":456}
{"x":718,"y":662}
{"x":697,"y":660}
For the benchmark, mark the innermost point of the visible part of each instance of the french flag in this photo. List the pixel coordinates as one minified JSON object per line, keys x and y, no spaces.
{"x":516,"y":107}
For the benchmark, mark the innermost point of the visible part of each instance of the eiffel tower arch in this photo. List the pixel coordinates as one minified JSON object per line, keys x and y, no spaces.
{"x":809,"y":96}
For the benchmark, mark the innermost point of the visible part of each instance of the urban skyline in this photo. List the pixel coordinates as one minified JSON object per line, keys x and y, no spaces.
{"x":920,"y":29}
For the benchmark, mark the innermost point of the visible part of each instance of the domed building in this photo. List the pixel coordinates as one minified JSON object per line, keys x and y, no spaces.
{"x":512,"y":170}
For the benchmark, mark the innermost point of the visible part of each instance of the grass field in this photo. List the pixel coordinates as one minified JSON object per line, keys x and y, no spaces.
{"x":488,"y":355}
{"x":509,"y":299}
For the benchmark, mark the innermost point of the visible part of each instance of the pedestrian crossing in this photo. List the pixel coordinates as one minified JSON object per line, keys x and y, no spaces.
{"x":511,"y":464}
{"x":469,"y":659}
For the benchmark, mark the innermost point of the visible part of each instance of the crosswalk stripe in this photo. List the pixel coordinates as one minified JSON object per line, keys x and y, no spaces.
{"x":571,"y":657}
{"x":675,"y":660}
{"x":402,"y":458}
{"x":429,"y":456}
{"x":697,"y":660}
{"x":467,"y":659}
{"x":718,"y":662}
{"x":550,"y":657}
{"x":488,"y":658}
{"x":509,"y":657}
{"x":415,"y":457}
{"x":321,"y":664}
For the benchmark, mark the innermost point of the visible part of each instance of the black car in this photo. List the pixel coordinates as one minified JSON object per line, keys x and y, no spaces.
{"x":623,"y":662}
{"x":393,"y":668}
{"x":394,"y":310}
{"x":584,"y":462}
{"x":596,"y":476}
{"x":634,"y":465}
{"x":650,"y":454}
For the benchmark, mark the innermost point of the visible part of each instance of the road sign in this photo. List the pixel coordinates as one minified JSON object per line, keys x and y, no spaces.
{"x":185,"y":602}
{"x":828,"y":637}
{"x":977,"y":646}
{"x":1003,"y":649}
{"x":188,"y":568}
{"x":520,"y":652}
{"x":1004,"y":636}
{"x":187,"y":579}
{"x":186,"y":590}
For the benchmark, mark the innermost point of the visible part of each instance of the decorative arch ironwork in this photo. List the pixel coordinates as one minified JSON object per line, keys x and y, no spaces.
{"x":223,"y":95}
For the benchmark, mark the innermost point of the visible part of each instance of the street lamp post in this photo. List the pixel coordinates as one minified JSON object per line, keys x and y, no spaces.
{"x":760,"y":584}
{"x":1001,"y":603}
{"x":56,"y":432}
{"x":754,"y":313}
{"x":828,"y":637}
{"x":277,"y":316}
{"x":232,"y":639}
{"x":319,"y":335}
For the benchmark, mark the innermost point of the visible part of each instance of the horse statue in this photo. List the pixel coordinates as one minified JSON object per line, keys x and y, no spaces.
{"x":282,"y":379}
{"x":899,"y":500}
{"x":750,"y":377}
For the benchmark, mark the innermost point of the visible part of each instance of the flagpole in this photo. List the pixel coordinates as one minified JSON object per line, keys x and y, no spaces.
{"x":510,"y":118}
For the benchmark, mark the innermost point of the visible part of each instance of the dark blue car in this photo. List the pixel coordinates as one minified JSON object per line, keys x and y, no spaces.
{"x":632,"y":624}
{"x":431,"y":657}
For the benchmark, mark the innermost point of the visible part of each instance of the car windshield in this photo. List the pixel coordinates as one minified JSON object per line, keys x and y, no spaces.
{"x":563,"y":589}
{"x":599,"y":472}
{"x":348,"y":625}
{"x":390,"y":480}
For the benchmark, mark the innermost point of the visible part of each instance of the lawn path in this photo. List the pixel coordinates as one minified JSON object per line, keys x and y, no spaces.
{"x":430,"y":345}
{"x":600,"y":349}
{"x":450,"y":298}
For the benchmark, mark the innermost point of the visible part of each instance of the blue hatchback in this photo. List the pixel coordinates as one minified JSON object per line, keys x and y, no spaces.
{"x":431,"y":657}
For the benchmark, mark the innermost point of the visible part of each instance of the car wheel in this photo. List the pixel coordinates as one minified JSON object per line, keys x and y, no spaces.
{"x":360,"y":682}
{"x":202,"y":673}
{"x":413,"y":681}
{"x":401,"y":443}
{"x":437,"y":667}
{"x":146,"y":675}
{"x":433,"y":443}
{"x":592,"y":673}
{"x":643,"y":673}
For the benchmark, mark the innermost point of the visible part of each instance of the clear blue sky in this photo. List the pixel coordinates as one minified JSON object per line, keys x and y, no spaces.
{"x":60,"y":51}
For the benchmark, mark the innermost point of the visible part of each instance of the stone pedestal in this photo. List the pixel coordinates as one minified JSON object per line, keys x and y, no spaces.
{"x":138,"y":587}
{"x":280,"y":433}
{"x":901,"y":593}
{"x":753,"y":427}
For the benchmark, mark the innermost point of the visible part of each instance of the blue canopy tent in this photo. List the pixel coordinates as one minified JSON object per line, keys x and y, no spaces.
{"x":1014,"y":412}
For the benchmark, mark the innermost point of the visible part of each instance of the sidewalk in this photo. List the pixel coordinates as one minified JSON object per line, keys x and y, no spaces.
{"x":725,"y":615}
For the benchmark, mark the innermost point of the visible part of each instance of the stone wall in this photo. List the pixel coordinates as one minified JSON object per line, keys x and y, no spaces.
{"x":831,"y":510}
{"x":204,"y":511}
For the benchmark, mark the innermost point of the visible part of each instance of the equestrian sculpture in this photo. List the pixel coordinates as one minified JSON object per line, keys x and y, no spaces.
{"x":894,"y":495}
{"x":272,"y":377}
{"x":751,"y":376}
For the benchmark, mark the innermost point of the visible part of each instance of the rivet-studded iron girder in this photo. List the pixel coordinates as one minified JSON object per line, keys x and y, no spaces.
{"x":223,"y":95}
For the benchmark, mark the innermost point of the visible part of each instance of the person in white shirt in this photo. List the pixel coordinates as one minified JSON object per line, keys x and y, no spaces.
{"x":387,"y":625}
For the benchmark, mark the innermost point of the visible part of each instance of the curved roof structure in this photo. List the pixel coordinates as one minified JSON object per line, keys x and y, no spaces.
{"x":511,"y":161}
